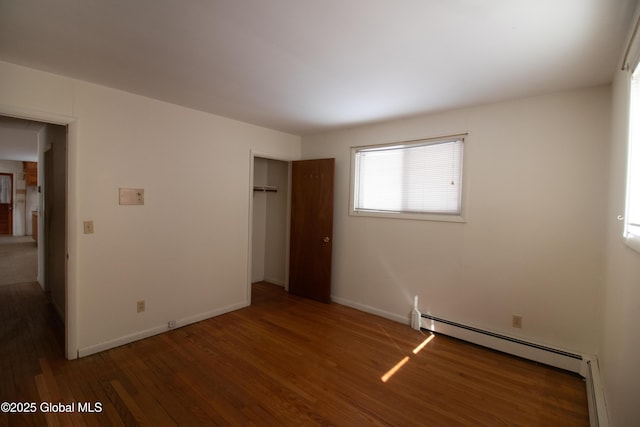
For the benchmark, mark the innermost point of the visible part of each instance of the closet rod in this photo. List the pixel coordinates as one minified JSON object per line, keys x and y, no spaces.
{"x":265,"y":188}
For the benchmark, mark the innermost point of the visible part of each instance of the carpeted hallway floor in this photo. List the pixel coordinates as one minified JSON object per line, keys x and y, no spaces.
{"x":18,"y":260}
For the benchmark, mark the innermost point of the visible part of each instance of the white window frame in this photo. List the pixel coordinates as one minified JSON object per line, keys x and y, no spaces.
{"x":631,"y":233}
{"x":444,"y":217}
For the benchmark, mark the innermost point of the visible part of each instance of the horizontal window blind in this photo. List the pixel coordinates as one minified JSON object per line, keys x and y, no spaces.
{"x":418,"y":177}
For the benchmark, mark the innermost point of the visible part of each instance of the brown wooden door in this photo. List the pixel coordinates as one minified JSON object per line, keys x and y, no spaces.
{"x":6,"y":203}
{"x":311,"y":228}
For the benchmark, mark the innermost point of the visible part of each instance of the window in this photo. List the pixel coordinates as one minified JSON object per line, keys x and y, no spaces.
{"x":416,"y":180}
{"x":632,"y":209}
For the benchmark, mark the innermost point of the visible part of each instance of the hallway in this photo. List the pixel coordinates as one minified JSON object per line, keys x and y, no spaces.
{"x":18,"y":260}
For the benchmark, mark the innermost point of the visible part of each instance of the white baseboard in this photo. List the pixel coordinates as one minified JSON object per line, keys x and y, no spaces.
{"x":274,"y":281}
{"x":372,"y":310}
{"x":106,"y":345}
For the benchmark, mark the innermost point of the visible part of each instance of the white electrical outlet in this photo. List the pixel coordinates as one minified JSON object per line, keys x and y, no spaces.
{"x":140,"y":306}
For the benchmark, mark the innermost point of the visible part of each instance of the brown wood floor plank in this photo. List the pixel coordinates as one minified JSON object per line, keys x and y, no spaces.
{"x":283,"y":361}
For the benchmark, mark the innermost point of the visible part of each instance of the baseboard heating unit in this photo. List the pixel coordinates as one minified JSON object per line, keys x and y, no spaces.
{"x":540,"y":353}
{"x":598,"y":415}
{"x":586,"y":366}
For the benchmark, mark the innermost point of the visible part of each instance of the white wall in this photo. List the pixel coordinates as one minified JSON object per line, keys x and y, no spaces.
{"x":186,"y":250}
{"x":532,"y":245}
{"x":620,"y":340}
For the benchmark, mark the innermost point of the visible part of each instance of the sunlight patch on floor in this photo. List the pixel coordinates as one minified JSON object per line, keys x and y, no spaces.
{"x":423,"y":344}
{"x":395,"y":369}
{"x":401,"y":363}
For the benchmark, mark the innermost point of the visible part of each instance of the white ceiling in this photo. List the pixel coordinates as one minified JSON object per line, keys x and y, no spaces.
{"x":305,"y":66}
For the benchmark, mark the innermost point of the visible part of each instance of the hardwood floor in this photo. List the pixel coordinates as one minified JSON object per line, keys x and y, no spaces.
{"x":283,"y":361}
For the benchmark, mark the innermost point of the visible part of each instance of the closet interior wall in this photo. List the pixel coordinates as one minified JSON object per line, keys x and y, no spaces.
{"x":270,"y":219}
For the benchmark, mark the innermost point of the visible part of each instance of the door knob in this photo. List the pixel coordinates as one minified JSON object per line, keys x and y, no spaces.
{"x":326,"y":240}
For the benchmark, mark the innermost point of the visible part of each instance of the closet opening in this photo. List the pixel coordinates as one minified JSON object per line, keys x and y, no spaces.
{"x":270,"y":221}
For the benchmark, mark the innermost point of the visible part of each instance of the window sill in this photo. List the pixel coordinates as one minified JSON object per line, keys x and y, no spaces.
{"x":407,"y":215}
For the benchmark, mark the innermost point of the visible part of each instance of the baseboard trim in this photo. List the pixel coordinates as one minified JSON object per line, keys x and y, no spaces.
{"x":371,"y":310}
{"x":274,"y":281}
{"x":106,"y":345}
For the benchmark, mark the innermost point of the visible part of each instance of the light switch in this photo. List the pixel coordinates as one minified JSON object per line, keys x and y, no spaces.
{"x":88,"y":227}
{"x":132,"y":196}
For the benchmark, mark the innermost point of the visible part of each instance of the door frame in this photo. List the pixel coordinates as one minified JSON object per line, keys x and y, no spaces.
{"x":71,"y":220}
{"x":288,"y":160}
